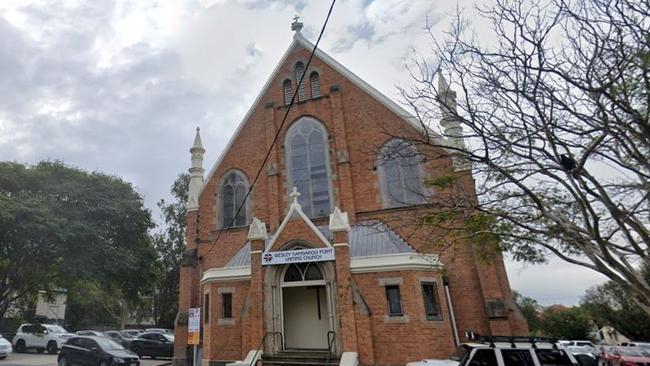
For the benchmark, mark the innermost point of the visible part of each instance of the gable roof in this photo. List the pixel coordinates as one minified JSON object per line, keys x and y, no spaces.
{"x":295,"y":211}
{"x":300,"y":40}
{"x":366,"y":238}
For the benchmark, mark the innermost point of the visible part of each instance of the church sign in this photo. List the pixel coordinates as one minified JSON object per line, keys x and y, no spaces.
{"x":298,"y":256}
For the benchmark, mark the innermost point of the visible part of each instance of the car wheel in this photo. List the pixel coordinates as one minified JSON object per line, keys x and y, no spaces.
{"x":3,"y":357}
{"x":63,"y":361}
{"x":52,"y":348}
{"x":20,"y":346}
{"x":40,"y":350}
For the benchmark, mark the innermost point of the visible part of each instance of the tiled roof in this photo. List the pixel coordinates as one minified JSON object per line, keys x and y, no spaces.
{"x":366,"y":238}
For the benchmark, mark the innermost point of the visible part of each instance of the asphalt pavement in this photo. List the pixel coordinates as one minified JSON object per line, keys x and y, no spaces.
{"x":35,"y":359}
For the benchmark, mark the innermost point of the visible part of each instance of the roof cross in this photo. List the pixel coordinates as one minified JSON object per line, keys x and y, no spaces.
{"x":296,"y":26}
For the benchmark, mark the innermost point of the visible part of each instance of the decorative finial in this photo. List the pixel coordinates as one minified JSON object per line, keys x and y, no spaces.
{"x":198,"y":145}
{"x":296,"y":26}
{"x":294,"y":195}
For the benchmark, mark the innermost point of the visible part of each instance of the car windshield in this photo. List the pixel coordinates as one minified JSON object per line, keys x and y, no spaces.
{"x":56,"y":329}
{"x":108,"y":344}
{"x":631,"y":352}
{"x":169,"y":337}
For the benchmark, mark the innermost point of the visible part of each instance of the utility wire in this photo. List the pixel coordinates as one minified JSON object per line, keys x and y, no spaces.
{"x":277,"y":133}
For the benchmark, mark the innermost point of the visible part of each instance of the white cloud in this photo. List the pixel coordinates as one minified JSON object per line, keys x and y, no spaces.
{"x":119,"y":85}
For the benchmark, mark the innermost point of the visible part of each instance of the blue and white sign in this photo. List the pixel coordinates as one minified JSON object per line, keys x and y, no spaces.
{"x":298,"y":256}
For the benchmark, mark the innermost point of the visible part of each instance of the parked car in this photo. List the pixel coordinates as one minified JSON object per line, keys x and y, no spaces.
{"x":119,"y":338}
{"x":583,"y":349}
{"x":642,"y":345}
{"x":131,"y":333}
{"x":93,"y":351}
{"x":5,"y":348}
{"x":625,"y":356}
{"x":519,"y":351}
{"x":584,"y":355}
{"x":42,"y":337}
{"x":93,"y":333}
{"x":160,"y":330}
{"x":153,"y":344}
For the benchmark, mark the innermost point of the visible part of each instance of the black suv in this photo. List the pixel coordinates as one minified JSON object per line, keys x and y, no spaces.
{"x":95,"y":351}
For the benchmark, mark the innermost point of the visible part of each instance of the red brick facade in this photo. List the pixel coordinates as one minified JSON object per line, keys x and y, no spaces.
{"x":356,"y":122}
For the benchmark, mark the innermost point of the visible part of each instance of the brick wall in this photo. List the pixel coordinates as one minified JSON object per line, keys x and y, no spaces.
{"x":357,"y":124}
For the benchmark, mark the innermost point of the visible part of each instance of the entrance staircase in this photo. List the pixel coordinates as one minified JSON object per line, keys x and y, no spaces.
{"x":300,"y":358}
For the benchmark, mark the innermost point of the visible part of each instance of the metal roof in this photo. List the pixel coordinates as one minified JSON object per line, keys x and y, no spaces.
{"x":366,"y":238}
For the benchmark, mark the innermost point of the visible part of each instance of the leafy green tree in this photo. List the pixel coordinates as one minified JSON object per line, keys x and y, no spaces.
{"x":529,"y":308}
{"x":170,"y":243}
{"x":566,"y":323}
{"x":60,"y":225}
{"x":609,"y":304}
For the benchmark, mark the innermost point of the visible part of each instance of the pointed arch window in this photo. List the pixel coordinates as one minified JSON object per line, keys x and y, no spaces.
{"x":315,"y":84}
{"x":233,"y":191}
{"x":400,"y":174}
{"x":307,"y":155}
{"x":300,"y":70}
{"x":286,"y":89}
{"x":298,"y":272}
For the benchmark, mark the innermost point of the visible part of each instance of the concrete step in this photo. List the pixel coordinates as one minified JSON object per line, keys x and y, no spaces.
{"x":300,"y":358}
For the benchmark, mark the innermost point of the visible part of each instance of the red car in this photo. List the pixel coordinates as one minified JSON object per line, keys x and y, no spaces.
{"x":624,"y":356}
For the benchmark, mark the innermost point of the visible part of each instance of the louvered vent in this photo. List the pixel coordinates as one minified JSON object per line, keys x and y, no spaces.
{"x":287,"y":92}
{"x":315,"y":85}
{"x":300,"y":70}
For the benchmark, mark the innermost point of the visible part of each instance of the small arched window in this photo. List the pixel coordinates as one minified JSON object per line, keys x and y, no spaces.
{"x":315,"y":84}
{"x":286,"y":88}
{"x":300,"y":70}
{"x":399,"y":174}
{"x":307,"y":155}
{"x":233,"y":191}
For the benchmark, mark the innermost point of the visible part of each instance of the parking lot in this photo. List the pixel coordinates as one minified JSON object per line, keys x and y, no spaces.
{"x":35,"y":359}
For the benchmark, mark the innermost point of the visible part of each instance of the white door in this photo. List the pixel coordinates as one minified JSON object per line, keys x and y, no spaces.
{"x":306,"y":317}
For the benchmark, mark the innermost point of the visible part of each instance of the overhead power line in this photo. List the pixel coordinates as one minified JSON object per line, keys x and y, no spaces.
{"x":277,"y":133}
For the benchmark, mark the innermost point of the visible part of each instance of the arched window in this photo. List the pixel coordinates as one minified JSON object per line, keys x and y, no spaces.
{"x":298,"y":272}
{"x":233,"y":191}
{"x":315,"y":84}
{"x":286,"y":88}
{"x":300,"y":70}
{"x":399,"y":173}
{"x":308,"y":161}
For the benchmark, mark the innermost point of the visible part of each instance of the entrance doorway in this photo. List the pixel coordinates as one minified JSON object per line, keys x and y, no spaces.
{"x":305,"y":302}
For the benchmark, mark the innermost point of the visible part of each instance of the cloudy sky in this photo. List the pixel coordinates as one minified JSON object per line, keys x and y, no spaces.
{"x":119,"y":86}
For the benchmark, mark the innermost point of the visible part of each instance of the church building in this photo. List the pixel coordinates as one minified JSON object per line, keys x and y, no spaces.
{"x":321,"y":265}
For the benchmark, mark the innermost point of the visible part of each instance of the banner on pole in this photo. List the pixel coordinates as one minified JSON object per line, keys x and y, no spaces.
{"x":193,"y":325}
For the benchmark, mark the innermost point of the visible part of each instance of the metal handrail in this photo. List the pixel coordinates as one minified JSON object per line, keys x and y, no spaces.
{"x":330,"y":345}
{"x":257,"y":351}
